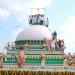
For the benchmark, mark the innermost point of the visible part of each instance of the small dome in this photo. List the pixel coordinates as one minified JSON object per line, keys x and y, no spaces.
{"x":35,"y":32}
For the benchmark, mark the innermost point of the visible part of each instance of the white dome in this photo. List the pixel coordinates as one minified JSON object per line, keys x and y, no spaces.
{"x":36,"y":32}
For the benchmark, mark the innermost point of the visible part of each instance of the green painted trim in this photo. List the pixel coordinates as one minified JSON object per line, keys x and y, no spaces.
{"x":54,"y":61}
{"x":29,"y":42}
{"x":35,"y":60}
{"x":45,"y":54}
{"x":33,"y":54}
{"x":53,"y":54}
{"x":9,"y":61}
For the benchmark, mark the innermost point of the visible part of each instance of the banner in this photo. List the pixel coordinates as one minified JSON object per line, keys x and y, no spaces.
{"x":1,"y":60}
{"x":21,"y":57}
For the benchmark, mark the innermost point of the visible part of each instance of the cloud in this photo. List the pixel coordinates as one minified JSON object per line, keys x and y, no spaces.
{"x":4,"y":13}
{"x":18,"y":5}
{"x":22,"y":7}
{"x":40,"y":3}
{"x":68,"y":33}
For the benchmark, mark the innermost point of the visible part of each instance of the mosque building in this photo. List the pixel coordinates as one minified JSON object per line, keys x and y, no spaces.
{"x":34,"y":41}
{"x":36,"y":48}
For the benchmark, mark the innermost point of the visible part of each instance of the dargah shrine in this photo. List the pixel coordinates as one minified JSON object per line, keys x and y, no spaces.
{"x":37,"y":51}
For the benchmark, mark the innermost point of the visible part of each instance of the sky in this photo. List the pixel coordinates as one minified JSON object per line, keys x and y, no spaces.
{"x":14,"y":18}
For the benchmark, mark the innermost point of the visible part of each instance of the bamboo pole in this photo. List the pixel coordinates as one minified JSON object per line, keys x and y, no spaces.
{"x":37,"y":73}
{"x":21,"y":73}
{"x":68,"y":73}
{"x":60,"y":73}
{"x":45,"y":73}
{"x":6,"y":73}
{"x":24,"y":73}
{"x":51,"y":73}
{"x":73,"y":73}
{"x":0,"y":72}
{"x":29,"y":73}
{"x":15,"y":72}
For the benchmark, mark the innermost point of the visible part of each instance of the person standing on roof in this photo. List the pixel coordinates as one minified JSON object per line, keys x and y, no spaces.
{"x":54,"y":40}
{"x":55,"y":35}
{"x":47,"y":22}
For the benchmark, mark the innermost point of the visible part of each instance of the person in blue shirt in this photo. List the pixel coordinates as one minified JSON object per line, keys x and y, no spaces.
{"x":55,"y":33}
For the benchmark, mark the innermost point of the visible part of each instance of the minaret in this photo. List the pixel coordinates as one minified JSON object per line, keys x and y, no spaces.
{"x":37,"y":17}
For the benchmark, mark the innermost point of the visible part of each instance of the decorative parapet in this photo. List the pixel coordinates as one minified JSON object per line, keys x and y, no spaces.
{"x":40,"y":68}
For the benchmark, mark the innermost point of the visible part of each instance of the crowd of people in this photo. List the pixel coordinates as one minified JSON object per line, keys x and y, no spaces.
{"x":38,"y":19}
{"x":54,"y":43}
{"x":69,"y":59}
{"x":10,"y":46}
